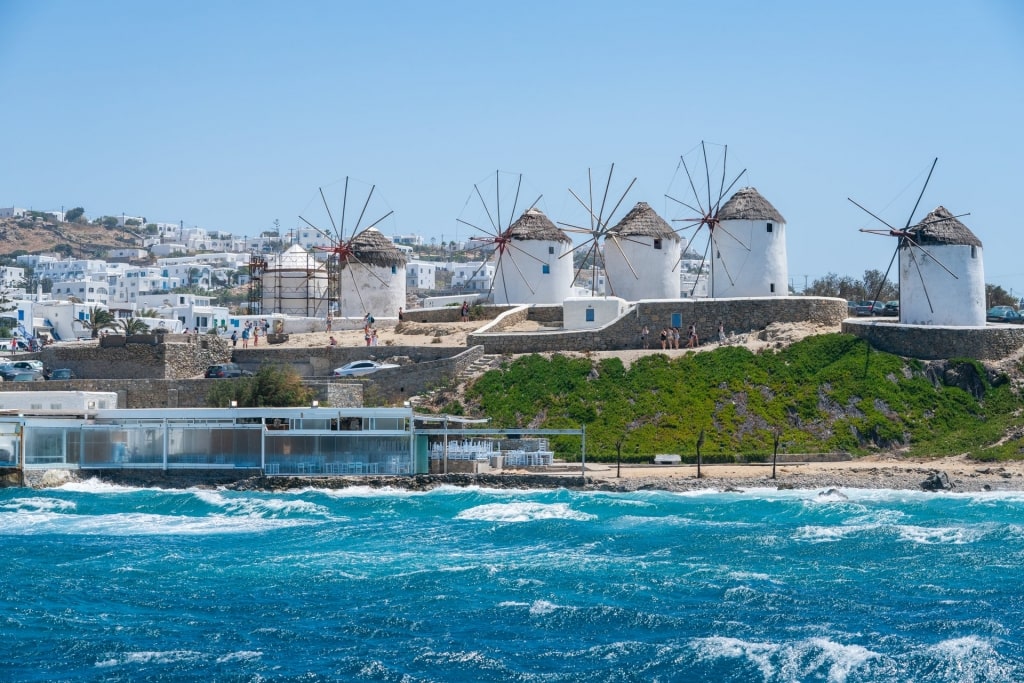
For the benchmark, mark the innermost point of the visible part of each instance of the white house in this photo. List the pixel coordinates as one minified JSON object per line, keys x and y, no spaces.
{"x":420,"y":275}
{"x":475,"y":276}
{"x":929,"y":294}
{"x":12,"y":212}
{"x":642,"y":254}
{"x":748,"y":254}
{"x":536,"y":266}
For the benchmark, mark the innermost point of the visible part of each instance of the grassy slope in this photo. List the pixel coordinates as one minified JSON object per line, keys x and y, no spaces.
{"x":827,"y":393}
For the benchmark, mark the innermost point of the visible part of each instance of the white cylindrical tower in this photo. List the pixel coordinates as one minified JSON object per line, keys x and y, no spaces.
{"x":748,"y":250}
{"x":294,"y":284}
{"x":374,"y":280}
{"x":929,"y":294}
{"x":531,"y":270}
{"x":641,"y":254}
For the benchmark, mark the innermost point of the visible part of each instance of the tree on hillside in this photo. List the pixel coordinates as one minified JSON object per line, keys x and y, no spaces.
{"x":72,"y":215}
{"x":108,"y":222}
{"x":130,"y":326}
{"x":878,"y":287}
{"x":997,"y":296}
{"x":844,"y":287}
{"x":99,"y":319}
{"x":271,"y":386}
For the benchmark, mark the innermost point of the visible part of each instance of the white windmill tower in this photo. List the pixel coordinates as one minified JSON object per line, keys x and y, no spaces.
{"x":642,"y":256}
{"x":752,"y":261}
{"x":940,"y":263}
{"x":526,"y":254}
{"x":366,"y":269}
{"x":294,"y":283}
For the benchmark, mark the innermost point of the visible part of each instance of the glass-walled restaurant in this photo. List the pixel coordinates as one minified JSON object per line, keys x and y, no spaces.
{"x":275,"y":440}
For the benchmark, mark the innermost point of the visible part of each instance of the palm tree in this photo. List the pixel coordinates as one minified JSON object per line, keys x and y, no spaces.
{"x":149,"y":313}
{"x":133,"y":326}
{"x":99,"y":319}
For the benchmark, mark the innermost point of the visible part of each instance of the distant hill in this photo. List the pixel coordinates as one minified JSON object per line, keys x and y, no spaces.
{"x":81,"y":240}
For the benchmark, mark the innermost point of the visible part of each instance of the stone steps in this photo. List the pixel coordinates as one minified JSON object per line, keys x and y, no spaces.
{"x":479,"y":367}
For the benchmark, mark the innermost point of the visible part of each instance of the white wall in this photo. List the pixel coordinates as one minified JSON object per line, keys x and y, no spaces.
{"x":519,"y":276}
{"x":956,"y":301}
{"x":604,"y":310}
{"x":749,"y":261}
{"x":638,"y":270}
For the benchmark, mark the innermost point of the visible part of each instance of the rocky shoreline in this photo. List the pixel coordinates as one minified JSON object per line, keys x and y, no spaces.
{"x":894,"y":474}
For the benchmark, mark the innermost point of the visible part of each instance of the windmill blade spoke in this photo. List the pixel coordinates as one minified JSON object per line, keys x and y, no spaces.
{"x":583,"y":262}
{"x":617,"y":204}
{"x":915,"y":245}
{"x":365,"y":204}
{"x":384,"y":217}
{"x":924,"y":287}
{"x":679,"y":201}
{"x":536,"y":201}
{"x":344,"y":209}
{"x":725,"y":268}
{"x":521,"y":275}
{"x":355,"y":286}
{"x":476,"y":227}
{"x":515,"y":202}
{"x":487,"y":209}
{"x":924,"y":224}
{"x":718,"y":205}
{"x":693,"y":187}
{"x":871,"y":214}
{"x":881,"y":285}
{"x":729,"y":234}
{"x":918,"y":202}
{"x":593,"y":218}
{"x":700,"y":268}
{"x":369,"y":270}
{"x":884,"y":233}
{"x":330,"y":237}
{"x":327,"y":206}
{"x":525,"y":253}
{"x":707,"y":172}
{"x":625,"y":258}
{"x":607,"y":186}
{"x":721,"y":191}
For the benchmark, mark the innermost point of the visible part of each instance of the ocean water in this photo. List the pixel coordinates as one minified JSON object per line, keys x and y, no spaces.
{"x":100,"y":583}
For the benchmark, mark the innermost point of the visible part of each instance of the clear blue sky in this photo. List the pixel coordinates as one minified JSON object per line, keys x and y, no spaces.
{"x":229,"y":115}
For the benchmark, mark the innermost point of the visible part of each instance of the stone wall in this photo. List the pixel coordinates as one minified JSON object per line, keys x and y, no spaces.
{"x":392,"y":387}
{"x":319,"y":361}
{"x":450,"y":314}
{"x":180,"y":356}
{"x":737,"y":315}
{"x":181,"y":393}
{"x":933,"y":343}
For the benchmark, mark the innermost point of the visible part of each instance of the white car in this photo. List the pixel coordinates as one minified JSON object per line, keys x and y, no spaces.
{"x":361,"y":367}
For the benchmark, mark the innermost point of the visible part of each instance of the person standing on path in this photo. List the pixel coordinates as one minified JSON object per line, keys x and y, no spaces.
{"x":643,"y":336}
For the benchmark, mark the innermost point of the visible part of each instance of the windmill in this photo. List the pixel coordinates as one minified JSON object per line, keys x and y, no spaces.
{"x":940,"y":259}
{"x":497,"y":239}
{"x":361,"y":262}
{"x":705,"y":207}
{"x":601,"y":229}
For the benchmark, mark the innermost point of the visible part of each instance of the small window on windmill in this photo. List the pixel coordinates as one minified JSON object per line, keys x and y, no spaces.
{"x":974,"y":254}
{"x":546,"y":269}
{"x":657,"y":243}
{"x":769,"y":227}
{"x":551,"y":250}
{"x":772,"y":287}
{"x":394,"y":269}
{"x":590,"y":315}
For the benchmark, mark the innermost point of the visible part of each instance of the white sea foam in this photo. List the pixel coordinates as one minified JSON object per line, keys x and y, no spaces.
{"x":151,"y":657}
{"x":523,"y":511}
{"x":38,"y":504}
{"x":256,"y":506}
{"x":139,"y":524}
{"x":95,"y":485}
{"x":946,"y":535}
{"x":824,"y":534}
{"x":240,"y":656}
{"x":540,"y":607}
{"x":798,"y":661}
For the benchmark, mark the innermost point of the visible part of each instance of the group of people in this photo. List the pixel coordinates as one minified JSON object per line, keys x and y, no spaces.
{"x":252,"y":330}
{"x":369,"y":331}
{"x":671,"y":338}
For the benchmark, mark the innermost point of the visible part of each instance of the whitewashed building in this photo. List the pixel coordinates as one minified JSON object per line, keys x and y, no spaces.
{"x":295,"y":283}
{"x":374,"y":281}
{"x":532,"y":270}
{"x":929,"y":294}
{"x":748,"y":254}
{"x":420,"y":275}
{"x":641,"y":254}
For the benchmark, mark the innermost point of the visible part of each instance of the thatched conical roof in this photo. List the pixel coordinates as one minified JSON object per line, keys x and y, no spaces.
{"x":748,"y":205}
{"x":643,"y":221}
{"x":374,"y":249}
{"x":940,"y":227}
{"x":534,"y":225}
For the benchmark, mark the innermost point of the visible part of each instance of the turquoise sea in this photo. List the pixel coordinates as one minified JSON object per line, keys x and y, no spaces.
{"x":100,"y":583}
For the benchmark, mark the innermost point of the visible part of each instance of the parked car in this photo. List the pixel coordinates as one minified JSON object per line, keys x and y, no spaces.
{"x":222,"y":370}
{"x":28,"y":376}
{"x":361,"y":367}
{"x":869,"y":308}
{"x":1003,"y":314}
{"x":892,"y":308}
{"x":8,"y":371}
{"x":30,"y":365}
{"x":62,"y":373}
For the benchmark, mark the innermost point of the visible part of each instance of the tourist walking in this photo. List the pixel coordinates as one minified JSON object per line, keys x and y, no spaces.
{"x":330,"y":322}
{"x":245,"y":337}
{"x":692,"y":337}
{"x":664,"y":338}
{"x":675,"y":337}
{"x":721,"y":332}
{"x":644,"y":332}
{"x":464,"y":312}
{"x":234,"y":338}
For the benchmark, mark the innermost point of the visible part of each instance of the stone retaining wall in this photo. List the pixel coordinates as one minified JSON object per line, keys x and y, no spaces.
{"x":399,"y":384}
{"x":927,"y":342}
{"x":449,"y":314}
{"x":181,"y":393}
{"x":319,"y":361}
{"x":180,"y":357}
{"x":738,"y":315}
